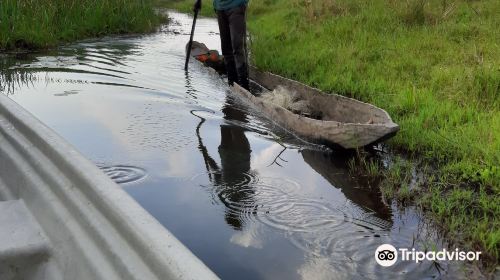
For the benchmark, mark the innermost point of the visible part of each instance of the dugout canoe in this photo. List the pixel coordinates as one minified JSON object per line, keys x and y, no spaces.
{"x":62,"y":218}
{"x":345,"y":122}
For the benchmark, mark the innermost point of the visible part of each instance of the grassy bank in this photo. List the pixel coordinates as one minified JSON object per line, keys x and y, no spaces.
{"x":434,"y":65}
{"x":45,"y":23}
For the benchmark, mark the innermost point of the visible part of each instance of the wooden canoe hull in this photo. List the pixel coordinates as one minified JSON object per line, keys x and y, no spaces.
{"x":352,"y":132}
{"x":329,"y":133}
{"x":350,"y":123}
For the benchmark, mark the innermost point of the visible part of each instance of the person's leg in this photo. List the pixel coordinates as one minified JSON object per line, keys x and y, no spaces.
{"x":227,"y":49}
{"x":238,"y":30}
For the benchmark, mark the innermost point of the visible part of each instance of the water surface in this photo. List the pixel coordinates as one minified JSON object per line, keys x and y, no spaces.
{"x":247,"y":198}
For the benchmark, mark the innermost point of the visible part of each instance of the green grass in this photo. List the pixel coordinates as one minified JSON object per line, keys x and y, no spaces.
{"x":434,"y":65}
{"x":45,"y":23}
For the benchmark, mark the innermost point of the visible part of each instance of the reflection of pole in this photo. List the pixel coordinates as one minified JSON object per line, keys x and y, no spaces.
{"x":191,"y":91}
{"x":210,"y":163}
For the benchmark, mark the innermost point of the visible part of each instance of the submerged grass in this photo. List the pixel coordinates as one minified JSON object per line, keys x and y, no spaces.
{"x":434,"y":65}
{"x":45,"y":23}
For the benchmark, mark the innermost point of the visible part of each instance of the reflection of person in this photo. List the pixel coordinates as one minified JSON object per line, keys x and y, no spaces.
{"x":231,"y":16}
{"x":231,"y":178}
{"x":234,"y":149}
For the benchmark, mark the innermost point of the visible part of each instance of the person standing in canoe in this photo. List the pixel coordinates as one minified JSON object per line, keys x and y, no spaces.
{"x":231,"y":16}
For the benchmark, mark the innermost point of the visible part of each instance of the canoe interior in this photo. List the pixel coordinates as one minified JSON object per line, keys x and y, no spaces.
{"x":333,"y":107}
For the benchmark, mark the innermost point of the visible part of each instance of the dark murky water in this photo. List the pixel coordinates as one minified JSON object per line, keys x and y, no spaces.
{"x":246,"y":198}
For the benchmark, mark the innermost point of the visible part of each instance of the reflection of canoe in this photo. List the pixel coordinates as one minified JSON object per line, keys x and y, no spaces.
{"x":345,"y":122}
{"x":335,"y":171}
{"x":62,"y":218}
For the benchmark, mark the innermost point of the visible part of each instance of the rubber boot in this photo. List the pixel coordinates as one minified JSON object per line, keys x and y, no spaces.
{"x":232,"y":75}
{"x":243,"y":77}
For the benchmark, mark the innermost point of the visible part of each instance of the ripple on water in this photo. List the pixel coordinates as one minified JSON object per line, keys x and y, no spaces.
{"x":158,"y":127}
{"x":319,"y":228}
{"x":123,"y":174}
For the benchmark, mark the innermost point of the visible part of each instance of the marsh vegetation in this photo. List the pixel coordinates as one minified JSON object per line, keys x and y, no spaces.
{"x":30,"y":24}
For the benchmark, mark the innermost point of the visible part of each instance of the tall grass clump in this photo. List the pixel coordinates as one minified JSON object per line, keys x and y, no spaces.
{"x":44,"y":23}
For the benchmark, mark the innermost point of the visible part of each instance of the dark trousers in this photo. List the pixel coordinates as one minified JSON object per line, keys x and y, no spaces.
{"x":233,"y":30}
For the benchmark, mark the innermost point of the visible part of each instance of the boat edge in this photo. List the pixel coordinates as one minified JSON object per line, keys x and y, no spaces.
{"x":164,"y":255}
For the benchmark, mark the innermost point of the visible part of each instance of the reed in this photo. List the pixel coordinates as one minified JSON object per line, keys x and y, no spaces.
{"x":44,"y":23}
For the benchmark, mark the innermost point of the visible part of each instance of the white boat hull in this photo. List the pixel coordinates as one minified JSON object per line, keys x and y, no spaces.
{"x":62,"y":218}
